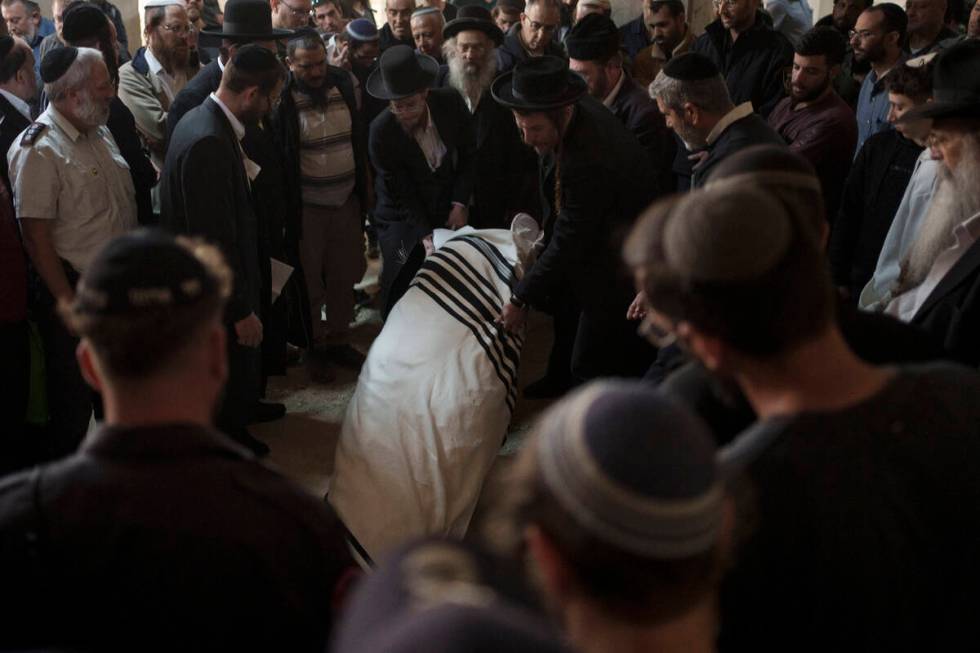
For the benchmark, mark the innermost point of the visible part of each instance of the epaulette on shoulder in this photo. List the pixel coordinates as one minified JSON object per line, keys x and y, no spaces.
{"x":31,"y":133}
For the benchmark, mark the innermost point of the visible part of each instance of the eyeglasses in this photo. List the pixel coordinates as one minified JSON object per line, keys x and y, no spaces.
{"x":657,"y":335}
{"x":295,"y":11}
{"x":863,"y":34}
{"x":725,"y":3}
{"x":180,"y":30}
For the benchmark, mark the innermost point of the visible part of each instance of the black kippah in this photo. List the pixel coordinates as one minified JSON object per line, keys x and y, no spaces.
{"x":6,"y":45}
{"x":253,"y":58}
{"x":593,"y":37}
{"x":691,"y":67}
{"x":83,"y":21}
{"x":56,"y":63}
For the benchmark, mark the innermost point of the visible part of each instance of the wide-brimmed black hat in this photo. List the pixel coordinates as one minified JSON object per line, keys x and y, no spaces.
{"x":538,"y":84}
{"x":402,"y":72}
{"x":955,"y":84}
{"x":474,"y":17}
{"x":245,"y":20}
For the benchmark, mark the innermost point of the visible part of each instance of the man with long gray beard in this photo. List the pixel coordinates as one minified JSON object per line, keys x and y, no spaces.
{"x":939,"y":284}
{"x":504,"y":175}
{"x":72,"y":194}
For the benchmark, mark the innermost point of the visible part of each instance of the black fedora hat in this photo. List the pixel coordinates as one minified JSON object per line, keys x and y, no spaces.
{"x":474,"y":17}
{"x":955,"y":84}
{"x":538,"y":84}
{"x":246,"y":20}
{"x":401,"y":72}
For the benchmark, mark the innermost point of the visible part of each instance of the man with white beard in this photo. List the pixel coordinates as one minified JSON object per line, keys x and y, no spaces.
{"x":72,"y":194}
{"x":939,"y":284}
{"x":505,"y":170}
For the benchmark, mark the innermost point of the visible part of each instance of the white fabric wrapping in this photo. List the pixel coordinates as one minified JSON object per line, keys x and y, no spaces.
{"x":433,"y":400}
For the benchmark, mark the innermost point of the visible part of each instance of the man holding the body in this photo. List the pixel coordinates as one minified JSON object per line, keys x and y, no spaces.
{"x":398,"y":29}
{"x":160,"y":519}
{"x":815,"y":122}
{"x":594,"y":52}
{"x":532,"y":37}
{"x":504,"y":175}
{"x":927,"y":30}
{"x":693,"y":97}
{"x":150,"y":82}
{"x":18,"y":89}
{"x":318,"y":128}
{"x":421,"y":148}
{"x":205,"y":190}
{"x":427,"y":25}
{"x":939,"y":279}
{"x":670,"y":35}
{"x":877,"y":39}
{"x":72,"y":192}
{"x":852,"y":471}
{"x":595,"y":179}
{"x":752,"y":57}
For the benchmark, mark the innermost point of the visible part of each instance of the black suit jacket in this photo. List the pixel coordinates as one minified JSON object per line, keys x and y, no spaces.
{"x":407,"y":189}
{"x":12,"y":123}
{"x":951,"y":313}
{"x":204,"y":191}
{"x":197,"y":90}
{"x":639,"y":114}
{"x":606,"y":181}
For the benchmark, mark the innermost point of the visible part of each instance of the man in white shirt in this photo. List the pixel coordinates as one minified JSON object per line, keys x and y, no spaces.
{"x":18,"y":87}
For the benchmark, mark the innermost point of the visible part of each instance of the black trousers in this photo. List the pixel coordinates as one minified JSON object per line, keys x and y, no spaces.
{"x":242,"y":388}
{"x":16,"y":449}
{"x":607,"y":345}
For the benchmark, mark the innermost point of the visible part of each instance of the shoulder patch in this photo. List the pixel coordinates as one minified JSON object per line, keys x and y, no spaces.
{"x":31,"y":133}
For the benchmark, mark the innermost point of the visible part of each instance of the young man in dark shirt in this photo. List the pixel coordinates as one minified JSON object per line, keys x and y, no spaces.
{"x":860,"y":496}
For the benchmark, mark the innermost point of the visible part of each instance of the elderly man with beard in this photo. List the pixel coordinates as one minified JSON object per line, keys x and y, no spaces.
{"x":503,"y":179}
{"x":815,"y":122}
{"x":72,"y":193}
{"x":318,"y":128}
{"x":150,"y":82}
{"x":421,"y":148}
{"x":939,"y":284}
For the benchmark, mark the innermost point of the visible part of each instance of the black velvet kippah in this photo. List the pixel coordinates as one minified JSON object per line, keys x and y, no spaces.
{"x":83,"y":21}
{"x":691,"y":67}
{"x":56,"y":63}
{"x":595,"y":36}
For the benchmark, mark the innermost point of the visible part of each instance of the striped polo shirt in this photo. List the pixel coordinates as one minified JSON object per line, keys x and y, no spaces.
{"x":326,"y":159}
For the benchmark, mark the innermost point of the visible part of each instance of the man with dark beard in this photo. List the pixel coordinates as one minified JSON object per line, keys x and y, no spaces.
{"x":206,"y":190}
{"x":503,"y":179}
{"x":814,"y":121}
{"x":421,"y":148}
{"x":72,"y":193}
{"x":157,"y":73}
{"x":318,"y":128}
{"x":939,"y":284}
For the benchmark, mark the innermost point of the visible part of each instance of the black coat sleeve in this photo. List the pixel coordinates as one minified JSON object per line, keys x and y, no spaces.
{"x":465,"y":151}
{"x":398,"y":200}
{"x":847,"y":226}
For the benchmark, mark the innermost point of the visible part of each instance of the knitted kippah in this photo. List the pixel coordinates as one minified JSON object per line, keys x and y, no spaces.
{"x":691,"y":66}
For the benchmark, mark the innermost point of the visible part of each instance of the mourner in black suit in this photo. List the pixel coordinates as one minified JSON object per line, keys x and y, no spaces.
{"x":505,"y":172}
{"x":594,"y":51}
{"x":206,"y":191}
{"x":18,"y":86}
{"x":421,"y":148}
{"x":593,"y":189}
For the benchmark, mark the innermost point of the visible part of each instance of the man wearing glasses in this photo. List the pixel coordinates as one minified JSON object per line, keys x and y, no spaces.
{"x":158,"y":72}
{"x":877,"y":38}
{"x":534,"y":36}
{"x":291,"y":14}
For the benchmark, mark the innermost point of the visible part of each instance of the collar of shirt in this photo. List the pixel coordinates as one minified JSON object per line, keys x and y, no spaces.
{"x":739,"y":112}
{"x":53,"y":118}
{"x":236,"y":124}
{"x":158,"y":71}
{"x":221,"y":63}
{"x":22,"y":107}
{"x":613,"y":93}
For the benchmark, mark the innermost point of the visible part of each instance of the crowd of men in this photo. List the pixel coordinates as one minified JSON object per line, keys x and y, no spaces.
{"x":773,"y":223}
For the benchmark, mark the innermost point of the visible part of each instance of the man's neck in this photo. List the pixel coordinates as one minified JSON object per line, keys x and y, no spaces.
{"x":799,"y":106}
{"x":593,"y":631}
{"x":231,"y":100}
{"x":822,"y":375}
{"x":151,"y":406}
{"x":886,"y":63}
{"x":736,"y":32}
{"x":919,"y":40}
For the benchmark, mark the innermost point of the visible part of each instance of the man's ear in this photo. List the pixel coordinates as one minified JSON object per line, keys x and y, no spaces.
{"x":691,"y":114}
{"x":708,"y":349}
{"x":86,"y":363}
{"x":552,"y":573}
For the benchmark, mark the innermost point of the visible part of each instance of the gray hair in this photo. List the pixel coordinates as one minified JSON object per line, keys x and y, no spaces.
{"x":76,"y":76}
{"x":709,"y":95}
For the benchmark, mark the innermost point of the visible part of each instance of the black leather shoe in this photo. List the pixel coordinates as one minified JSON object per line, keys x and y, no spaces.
{"x":267,"y":412}
{"x":546,"y":388}
{"x":343,"y":355}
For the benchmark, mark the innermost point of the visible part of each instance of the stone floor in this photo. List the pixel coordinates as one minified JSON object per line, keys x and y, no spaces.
{"x":303,"y":442}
